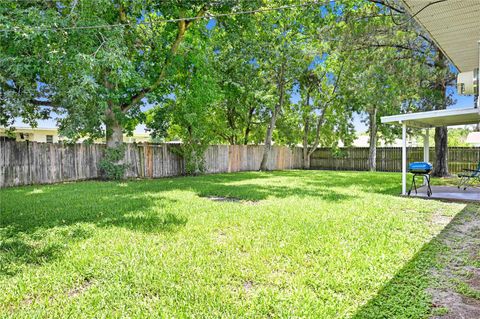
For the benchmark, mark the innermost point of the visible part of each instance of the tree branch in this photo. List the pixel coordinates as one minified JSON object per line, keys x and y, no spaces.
{"x":388,"y":5}
{"x":182,"y":28}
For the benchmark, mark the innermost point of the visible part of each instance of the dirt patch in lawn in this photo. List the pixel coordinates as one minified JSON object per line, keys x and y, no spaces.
{"x":27,"y":301}
{"x":77,"y":291}
{"x":231,"y":200}
{"x":248,"y":285}
{"x":474,"y":282}
{"x":441,"y":220}
{"x":457,"y":305}
{"x":459,"y":280}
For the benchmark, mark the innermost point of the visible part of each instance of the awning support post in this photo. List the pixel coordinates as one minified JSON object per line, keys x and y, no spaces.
{"x":404,"y":158}
{"x":426,"y":146}
{"x":426,"y":150}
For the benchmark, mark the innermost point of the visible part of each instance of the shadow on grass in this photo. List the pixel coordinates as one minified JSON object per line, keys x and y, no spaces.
{"x":255,"y":192}
{"x":39,"y":221}
{"x":323,"y":185}
{"x":379,"y":183}
{"x":405,"y":295}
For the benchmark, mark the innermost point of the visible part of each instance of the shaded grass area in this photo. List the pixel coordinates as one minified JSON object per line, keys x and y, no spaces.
{"x":315,"y":244}
{"x":442,"y":267}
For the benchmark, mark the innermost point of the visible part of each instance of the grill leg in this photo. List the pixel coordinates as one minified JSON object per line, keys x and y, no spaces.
{"x":412,"y":185}
{"x":429,"y":189}
{"x":415,"y":183}
{"x":468,"y":183}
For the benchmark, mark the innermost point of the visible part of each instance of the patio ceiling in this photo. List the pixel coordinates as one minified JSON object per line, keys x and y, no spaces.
{"x":436,"y":118}
{"x":455,"y":27}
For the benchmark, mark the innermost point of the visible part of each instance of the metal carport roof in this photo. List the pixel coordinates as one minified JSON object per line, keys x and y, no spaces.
{"x":436,"y":118}
{"x":454,"y":25}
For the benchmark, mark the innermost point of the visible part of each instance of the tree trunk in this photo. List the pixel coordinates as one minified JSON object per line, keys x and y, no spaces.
{"x":306,"y":131}
{"x":114,"y":135}
{"x":114,"y":130}
{"x":248,"y":127}
{"x":306,"y":155}
{"x":317,"y":134}
{"x":372,"y":155}
{"x":247,"y":133}
{"x":306,"y":160}
{"x":273,"y":119}
{"x":441,"y":151}
{"x":112,"y":163}
{"x":441,"y":133}
{"x":268,"y":138}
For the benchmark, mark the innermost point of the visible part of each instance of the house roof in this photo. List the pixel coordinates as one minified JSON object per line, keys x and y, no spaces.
{"x":30,"y":129}
{"x":54,"y":130}
{"x":453,"y":25}
{"x":436,"y":118}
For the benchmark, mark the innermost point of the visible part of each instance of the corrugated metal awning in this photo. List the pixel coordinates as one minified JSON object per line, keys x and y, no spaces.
{"x":454,"y":25}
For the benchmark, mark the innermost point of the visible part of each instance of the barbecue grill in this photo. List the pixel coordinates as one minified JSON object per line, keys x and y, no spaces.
{"x":422,"y":169}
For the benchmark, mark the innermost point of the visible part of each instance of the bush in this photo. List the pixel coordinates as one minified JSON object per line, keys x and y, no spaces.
{"x":112,"y":164}
{"x":192,"y":154}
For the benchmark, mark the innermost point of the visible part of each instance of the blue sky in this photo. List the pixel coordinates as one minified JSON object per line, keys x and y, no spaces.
{"x":461,"y":101}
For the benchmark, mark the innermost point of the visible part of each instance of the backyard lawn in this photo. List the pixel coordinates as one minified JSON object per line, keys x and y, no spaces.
{"x":313,"y":244}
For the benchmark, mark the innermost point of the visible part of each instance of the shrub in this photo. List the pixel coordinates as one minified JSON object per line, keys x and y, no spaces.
{"x":112,"y":165}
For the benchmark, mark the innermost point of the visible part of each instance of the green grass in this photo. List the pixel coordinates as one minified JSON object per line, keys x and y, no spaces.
{"x":311,"y":244}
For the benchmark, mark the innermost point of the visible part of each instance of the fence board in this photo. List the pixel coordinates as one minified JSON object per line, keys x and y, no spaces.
{"x":23,"y":163}
{"x":389,"y":159}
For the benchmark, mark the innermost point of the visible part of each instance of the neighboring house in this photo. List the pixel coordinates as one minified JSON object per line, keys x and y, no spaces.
{"x":20,"y":134}
{"x":364,"y":141}
{"x":51,"y":135}
{"x":474,"y":139}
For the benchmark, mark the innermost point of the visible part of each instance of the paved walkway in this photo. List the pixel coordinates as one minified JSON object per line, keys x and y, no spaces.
{"x":450,"y":193}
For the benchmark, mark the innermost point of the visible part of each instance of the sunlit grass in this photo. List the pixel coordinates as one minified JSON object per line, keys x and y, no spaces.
{"x":311,"y":244}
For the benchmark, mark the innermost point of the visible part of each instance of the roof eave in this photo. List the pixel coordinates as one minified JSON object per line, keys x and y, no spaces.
{"x":437,"y":44}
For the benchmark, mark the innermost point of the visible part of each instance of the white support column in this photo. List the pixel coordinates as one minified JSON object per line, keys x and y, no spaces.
{"x":426,"y":151}
{"x":404,"y":158}
{"x":426,"y":146}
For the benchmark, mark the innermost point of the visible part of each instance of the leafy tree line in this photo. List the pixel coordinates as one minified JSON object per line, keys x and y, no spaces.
{"x":291,"y":76}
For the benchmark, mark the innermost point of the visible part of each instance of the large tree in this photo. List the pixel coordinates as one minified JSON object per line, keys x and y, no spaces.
{"x":186,"y":113}
{"x":440,"y":99}
{"x":400,"y":71}
{"x":322,"y":116}
{"x":432,"y":72}
{"x":98,"y":63}
{"x":240,"y":115}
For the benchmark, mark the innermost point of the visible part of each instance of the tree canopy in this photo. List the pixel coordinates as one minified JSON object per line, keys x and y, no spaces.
{"x":233,"y":71}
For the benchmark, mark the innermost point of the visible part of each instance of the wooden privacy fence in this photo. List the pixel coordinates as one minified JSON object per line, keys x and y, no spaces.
{"x":23,"y":163}
{"x":389,"y":159}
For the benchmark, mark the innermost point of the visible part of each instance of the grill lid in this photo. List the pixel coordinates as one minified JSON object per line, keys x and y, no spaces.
{"x":420,"y":167}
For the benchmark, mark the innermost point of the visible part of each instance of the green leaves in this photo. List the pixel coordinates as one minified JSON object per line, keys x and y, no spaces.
{"x":112,"y":164}
{"x":211,"y":85}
